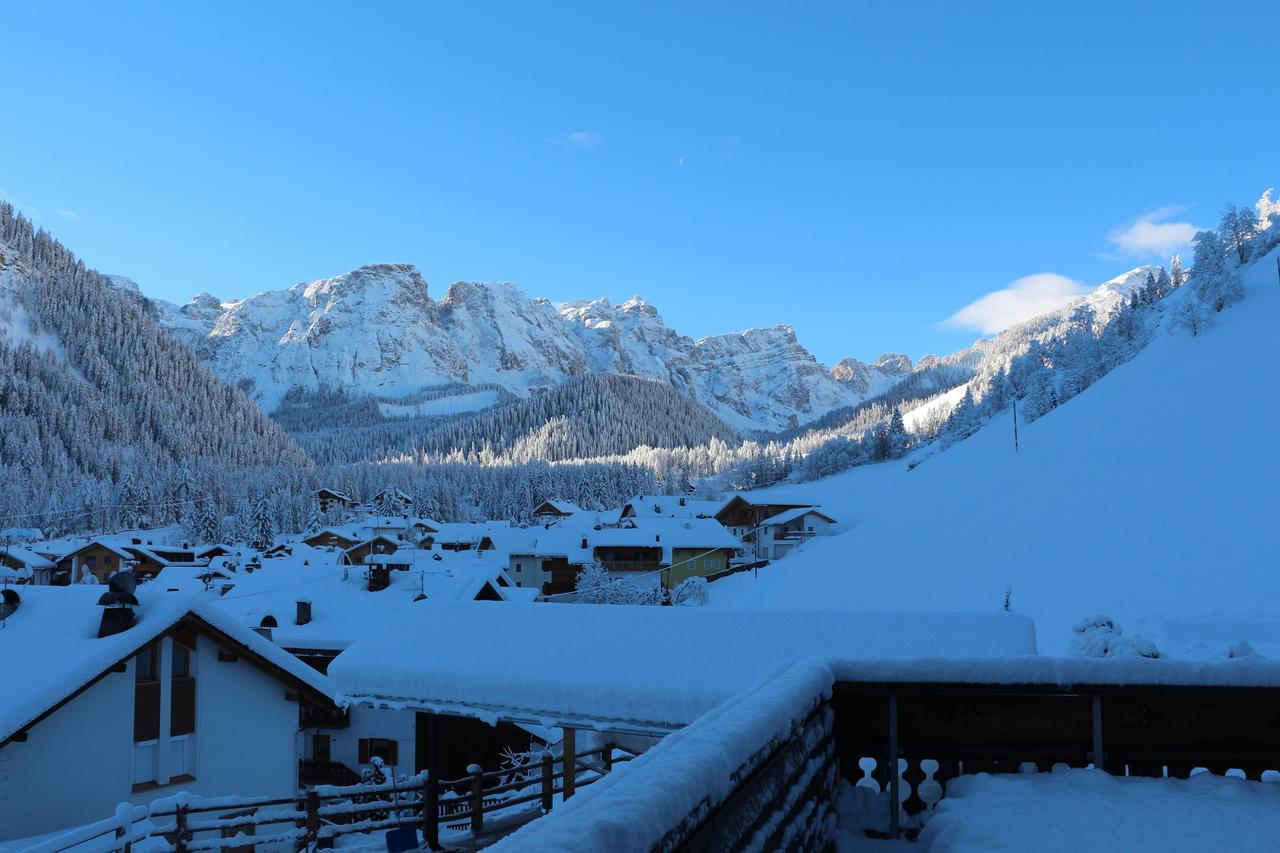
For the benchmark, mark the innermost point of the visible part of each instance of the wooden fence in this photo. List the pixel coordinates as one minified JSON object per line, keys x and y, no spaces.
{"x":911,"y":738}
{"x":479,"y":804}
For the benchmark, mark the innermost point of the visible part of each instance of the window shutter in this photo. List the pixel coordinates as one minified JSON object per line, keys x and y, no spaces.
{"x":393,"y":749}
{"x":364,"y":750}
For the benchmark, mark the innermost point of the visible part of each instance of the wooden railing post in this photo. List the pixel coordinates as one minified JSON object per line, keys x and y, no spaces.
{"x":313,"y":819}
{"x":606,"y":757}
{"x":894,"y":799}
{"x":431,"y":812}
{"x":122,"y":832}
{"x":548,"y":782}
{"x":570,"y":762}
{"x":180,"y":830}
{"x":477,"y":799}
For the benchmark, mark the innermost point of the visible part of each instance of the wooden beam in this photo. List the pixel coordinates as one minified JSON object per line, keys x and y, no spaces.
{"x":1098,"y":754}
{"x":894,"y":799}
{"x":570,"y":761}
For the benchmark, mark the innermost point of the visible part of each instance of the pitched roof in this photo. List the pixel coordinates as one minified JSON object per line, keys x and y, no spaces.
{"x":671,"y":506}
{"x":342,"y":608}
{"x":792,"y":514}
{"x":52,"y":651}
{"x":25,"y":557}
{"x":561,"y":506}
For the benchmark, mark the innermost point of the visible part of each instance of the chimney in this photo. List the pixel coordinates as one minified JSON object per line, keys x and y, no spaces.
{"x":119,"y":602}
{"x":304,"y":612}
{"x":379,"y":578}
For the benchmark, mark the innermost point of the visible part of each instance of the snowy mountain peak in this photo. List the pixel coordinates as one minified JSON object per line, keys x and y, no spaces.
{"x":375,"y":330}
{"x":893,"y":364}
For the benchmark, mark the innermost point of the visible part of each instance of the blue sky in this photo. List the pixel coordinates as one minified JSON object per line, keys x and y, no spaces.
{"x":861,"y":171}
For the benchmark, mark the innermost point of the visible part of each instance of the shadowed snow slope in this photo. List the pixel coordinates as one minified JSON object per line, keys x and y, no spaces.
{"x":1147,"y":496}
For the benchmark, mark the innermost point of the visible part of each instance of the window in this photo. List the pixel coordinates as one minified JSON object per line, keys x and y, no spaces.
{"x":164,"y":749}
{"x":519,"y":567}
{"x":384,"y":748}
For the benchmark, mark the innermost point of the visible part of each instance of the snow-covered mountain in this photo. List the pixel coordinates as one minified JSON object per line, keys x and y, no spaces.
{"x":1126,"y":499}
{"x":376,"y":330}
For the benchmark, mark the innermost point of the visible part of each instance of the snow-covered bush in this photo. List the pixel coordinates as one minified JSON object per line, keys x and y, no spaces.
{"x":691,"y":592}
{"x":1100,"y":637}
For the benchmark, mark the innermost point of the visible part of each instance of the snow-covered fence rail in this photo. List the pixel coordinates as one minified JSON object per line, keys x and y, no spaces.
{"x":757,"y":772}
{"x":483,"y":802}
{"x":931,"y":721}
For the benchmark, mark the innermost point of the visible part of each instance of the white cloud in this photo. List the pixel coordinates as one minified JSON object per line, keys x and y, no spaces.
{"x":577,"y":139}
{"x":1029,"y":296}
{"x":68,"y":214}
{"x":1152,"y":235}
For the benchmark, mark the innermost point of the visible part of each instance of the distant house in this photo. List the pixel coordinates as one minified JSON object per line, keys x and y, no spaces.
{"x":649,"y":550}
{"x":332,"y":537}
{"x":394,"y":495}
{"x":331,"y":500}
{"x":128,"y":710}
{"x":778,"y":534}
{"x":376,"y":546}
{"x":554,"y":509}
{"x":149,"y":559}
{"x":26,"y":564}
{"x":100,"y":558}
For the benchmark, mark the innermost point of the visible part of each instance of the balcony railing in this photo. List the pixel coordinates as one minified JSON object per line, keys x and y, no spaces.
{"x":631,"y":565}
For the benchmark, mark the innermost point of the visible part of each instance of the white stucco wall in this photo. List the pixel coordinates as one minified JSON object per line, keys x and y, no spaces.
{"x":75,"y":765}
{"x":344,"y":744}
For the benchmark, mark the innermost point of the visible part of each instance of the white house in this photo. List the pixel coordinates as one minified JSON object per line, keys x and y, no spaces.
{"x":107,"y":705}
{"x":779,"y":533}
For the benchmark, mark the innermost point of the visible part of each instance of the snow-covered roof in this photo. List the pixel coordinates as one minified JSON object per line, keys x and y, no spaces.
{"x":51,"y":649}
{"x":645,"y":668}
{"x":342,"y":608}
{"x":560,"y":506}
{"x":672,"y":506}
{"x":789,"y":515}
{"x":26,"y":557}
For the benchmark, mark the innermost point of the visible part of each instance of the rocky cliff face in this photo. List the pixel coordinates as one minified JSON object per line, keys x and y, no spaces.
{"x":376,"y":330}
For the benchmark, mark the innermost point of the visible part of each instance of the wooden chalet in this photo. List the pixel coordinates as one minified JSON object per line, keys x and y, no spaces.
{"x":357,"y":554}
{"x":98,"y":557}
{"x":553,"y":509}
{"x":331,"y":538}
{"x":331,"y":499}
{"x":742,"y":514}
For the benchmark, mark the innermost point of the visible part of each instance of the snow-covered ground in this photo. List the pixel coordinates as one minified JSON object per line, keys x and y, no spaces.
{"x":1091,"y":810}
{"x":1149,"y":497}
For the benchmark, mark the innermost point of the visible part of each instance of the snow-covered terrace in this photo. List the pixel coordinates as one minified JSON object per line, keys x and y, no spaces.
{"x":646,"y":669}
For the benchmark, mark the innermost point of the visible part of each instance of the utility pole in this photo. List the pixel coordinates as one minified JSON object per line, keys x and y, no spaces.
{"x":1015,"y":424}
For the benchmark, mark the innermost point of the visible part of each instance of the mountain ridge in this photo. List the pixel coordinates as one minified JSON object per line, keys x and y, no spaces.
{"x":376,"y":330}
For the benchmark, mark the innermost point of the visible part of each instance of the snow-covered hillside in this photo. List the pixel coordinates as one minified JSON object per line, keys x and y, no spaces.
{"x":1148,"y":497}
{"x":377,"y":331}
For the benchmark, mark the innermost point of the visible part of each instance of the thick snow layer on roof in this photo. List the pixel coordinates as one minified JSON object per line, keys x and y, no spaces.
{"x":27,"y":557}
{"x":342,"y":608}
{"x":1092,"y":810}
{"x":1115,"y":503}
{"x":1252,"y":671}
{"x":655,"y":666}
{"x":50,"y":645}
{"x":632,"y":807}
{"x":792,"y":514}
{"x":671,"y":506}
{"x":159,"y":537}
